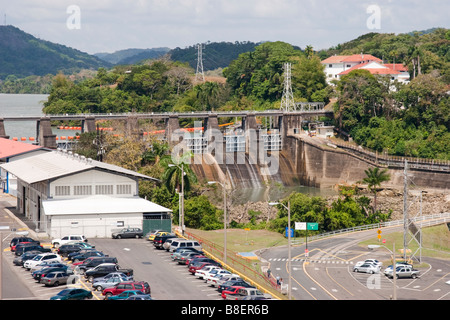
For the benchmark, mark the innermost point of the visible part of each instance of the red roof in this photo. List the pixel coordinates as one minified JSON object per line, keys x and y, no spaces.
{"x":371,"y":70}
{"x":334,"y":59}
{"x":396,"y":66}
{"x":361,"y":57}
{"x":9,"y":148}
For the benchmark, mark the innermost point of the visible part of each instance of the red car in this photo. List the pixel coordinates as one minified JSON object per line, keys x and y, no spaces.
{"x":196,"y":266}
{"x":142,"y":286}
{"x":233,"y":290}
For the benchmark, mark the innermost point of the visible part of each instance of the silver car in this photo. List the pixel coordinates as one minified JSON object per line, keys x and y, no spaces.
{"x":108,"y":283}
{"x":367,"y":268}
{"x":56,"y":278}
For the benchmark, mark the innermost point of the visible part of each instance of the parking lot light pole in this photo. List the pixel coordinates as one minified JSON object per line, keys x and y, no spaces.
{"x":2,"y":228}
{"x":224,"y":219}
{"x":181,"y":205}
{"x":288,"y":208}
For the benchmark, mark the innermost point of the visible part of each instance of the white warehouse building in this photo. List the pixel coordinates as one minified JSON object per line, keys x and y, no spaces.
{"x":67,"y":194}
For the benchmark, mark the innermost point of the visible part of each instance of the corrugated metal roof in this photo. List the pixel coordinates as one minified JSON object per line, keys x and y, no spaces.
{"x":55,"y":164}
{"x":101,"y":205}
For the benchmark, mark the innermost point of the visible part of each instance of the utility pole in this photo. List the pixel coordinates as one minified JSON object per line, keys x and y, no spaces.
{"x":405,"y":209}
{"x":287,"y":99}
{"x":199,"y":75}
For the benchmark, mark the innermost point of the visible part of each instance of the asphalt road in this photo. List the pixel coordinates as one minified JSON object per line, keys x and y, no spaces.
{"x":327,"y":272}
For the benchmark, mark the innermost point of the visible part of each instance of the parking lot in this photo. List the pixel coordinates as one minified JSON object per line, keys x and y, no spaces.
{"x":168,"y":279}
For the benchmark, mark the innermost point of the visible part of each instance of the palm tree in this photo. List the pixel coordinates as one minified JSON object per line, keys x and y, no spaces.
{"x":173,"y":172}
{"x":374,"y":178}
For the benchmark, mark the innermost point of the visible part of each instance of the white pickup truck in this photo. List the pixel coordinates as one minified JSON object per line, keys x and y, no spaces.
{"x":403,"y":272}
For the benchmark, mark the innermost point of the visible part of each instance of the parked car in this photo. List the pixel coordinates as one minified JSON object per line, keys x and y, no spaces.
{"x":232,"y":277}
{"x":166,"y":245}
{"x":41,"y":258}
{"x":124,"y":286}
{"x":38,"y":274}
{"x":198,"y":265}
{"x":73,"y":294}
{"x":375,"y":262}
{"x":72,"y":255}
{"x":184,"y":244}
{"x":242,"y":293}
{"x":232,"y":283}
{"x":128,"y":233}
{"x":19,"y":260}
{"x":21,"y":248}
{"x":152,"y":232}
{"x":101,"y":285}
{"x":199,"y":259}
{"x":46,"y":264}
{"x":87,"y":254}
{"x":15,"y":241}
{"x":178,"y":252}
{"x":69,"y":239}
{"x":92,"y":262}
{"x":85,"y":245}
{"x":367,"y":268}
{"x":404,"y":272}
{"x":184,"y":257}
{"x":152,"y":236}
{"x":140,"y":297}
{"x":231,"y":290}
{"x":114,"y":275}
{"x":211,"y":277}
{"x":65,"y":249}
{"x":55,"y":278}
{"x":398,"y":264}
{"x":103,"y":269}
{"x":127,"y":294}
{"x":200,"y":273}
{"x":159,"y":241}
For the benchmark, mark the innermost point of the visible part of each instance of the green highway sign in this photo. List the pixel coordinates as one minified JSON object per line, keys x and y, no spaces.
{"x":312,"y":226}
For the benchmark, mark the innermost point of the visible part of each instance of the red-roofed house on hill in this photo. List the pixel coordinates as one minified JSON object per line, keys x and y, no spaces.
{"x":337,"y":66}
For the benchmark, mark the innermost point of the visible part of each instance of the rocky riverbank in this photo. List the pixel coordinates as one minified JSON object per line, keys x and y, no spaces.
{"x":433,"y":202}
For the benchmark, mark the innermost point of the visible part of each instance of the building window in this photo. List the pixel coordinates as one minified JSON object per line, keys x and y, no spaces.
{"x":82,"y":190}
{"x":330,"y":66}
{"x":62,"y":191}
{"x":123,"y":189}
{"x":104,"y":189}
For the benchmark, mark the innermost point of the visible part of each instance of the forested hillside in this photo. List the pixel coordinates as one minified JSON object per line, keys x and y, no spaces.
{"x":22,"y":55}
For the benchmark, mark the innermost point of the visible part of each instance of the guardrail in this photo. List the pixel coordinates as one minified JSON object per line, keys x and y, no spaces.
{"x":395,"y":161}
{"x":426,"y":221}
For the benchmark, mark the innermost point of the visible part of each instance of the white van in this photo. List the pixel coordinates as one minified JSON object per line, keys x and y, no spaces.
{"x":184,"y":244}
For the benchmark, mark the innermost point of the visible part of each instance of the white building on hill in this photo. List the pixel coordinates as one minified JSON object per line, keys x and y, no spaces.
{"x":337,"y":66}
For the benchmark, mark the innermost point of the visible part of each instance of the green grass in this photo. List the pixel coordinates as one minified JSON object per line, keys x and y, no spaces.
{"x":435,"y":242}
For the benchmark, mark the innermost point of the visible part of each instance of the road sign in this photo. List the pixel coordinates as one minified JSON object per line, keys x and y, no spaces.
{"x":312,"y":226}
{"x":286,"y":232}
{"x":379,"y":236}
{"x":300,"y":226}
{"x":379,"y":231}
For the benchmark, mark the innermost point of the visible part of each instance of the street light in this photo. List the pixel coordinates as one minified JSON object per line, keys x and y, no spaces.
{"x":394,"y":267}
{"x":288,"y":208}
{"x":224,"y":219}
{"x":2,"y":228}
{"x":181,"y":214}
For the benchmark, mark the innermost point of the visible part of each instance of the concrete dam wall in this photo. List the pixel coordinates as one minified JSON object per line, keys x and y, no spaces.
{"x":309,"y":162}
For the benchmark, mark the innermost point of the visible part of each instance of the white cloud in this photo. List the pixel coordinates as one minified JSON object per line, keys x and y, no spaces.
{"x":109,"y":25}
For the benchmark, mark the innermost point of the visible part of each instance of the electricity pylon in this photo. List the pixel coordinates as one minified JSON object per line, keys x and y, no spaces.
{"x":287,"y":100}
{"x":199,"y":75}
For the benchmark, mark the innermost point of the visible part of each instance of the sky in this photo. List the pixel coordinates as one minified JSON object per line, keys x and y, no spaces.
{"x":95,"y":26}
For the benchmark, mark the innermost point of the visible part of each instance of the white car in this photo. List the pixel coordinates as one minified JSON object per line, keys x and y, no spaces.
{"x":375,"y":262}
{"x":68,"y":239}
{"x":212,"y":277}
{"x":201,"y":272}
{"x":226,"y":278}
{"x":389,"y":269}
{"x":29,"y":264}
{"x":367,"y":268}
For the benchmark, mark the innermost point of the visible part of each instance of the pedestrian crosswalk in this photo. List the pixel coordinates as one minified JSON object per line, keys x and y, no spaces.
{"x":311,"y":260}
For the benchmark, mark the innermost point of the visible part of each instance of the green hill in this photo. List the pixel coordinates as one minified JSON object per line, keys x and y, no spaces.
{"x":22,"y":55}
